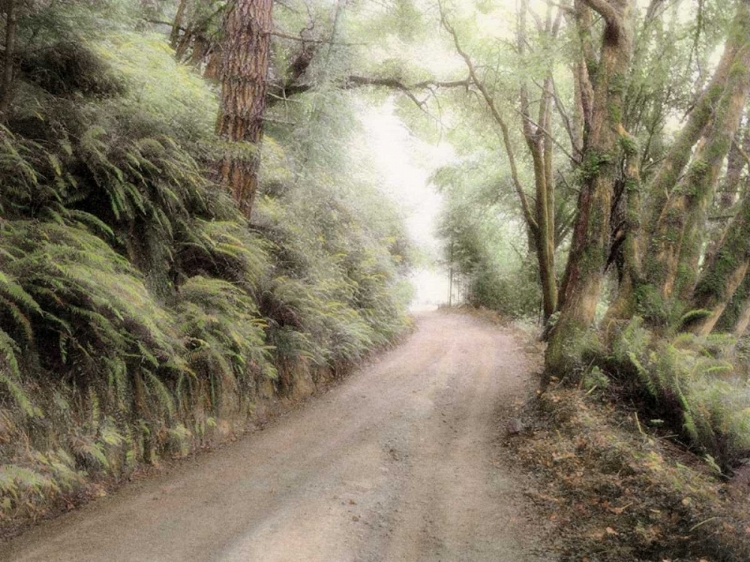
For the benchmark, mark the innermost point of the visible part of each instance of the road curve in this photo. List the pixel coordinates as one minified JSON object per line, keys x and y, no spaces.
{"x":401,"y":462}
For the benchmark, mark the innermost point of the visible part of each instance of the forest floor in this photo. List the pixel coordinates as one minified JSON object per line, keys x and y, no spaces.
{"x":402,"y":461}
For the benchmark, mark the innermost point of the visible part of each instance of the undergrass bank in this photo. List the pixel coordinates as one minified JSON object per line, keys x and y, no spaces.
{"x":142,"y":316}
{"x":619,"y":492}
{"x":300,"y":383}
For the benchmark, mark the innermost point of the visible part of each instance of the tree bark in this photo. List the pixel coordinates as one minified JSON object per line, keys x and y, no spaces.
{"x":724,"y":274}
{"x":677,"y":158}
{"x":6,"y":95}
{"x":731,"y":187}
{"x":245,"y":59}
{"x":200,"y":47}
{"x":540,"y":147}
{"x":736,"y":162}
{"x":677,"y":237}
{"x":743,"y":318}
{"x":590,"y":244}
{"x":174,"y":36}
{"x":212,"y":70}
{"x":623,"y":306}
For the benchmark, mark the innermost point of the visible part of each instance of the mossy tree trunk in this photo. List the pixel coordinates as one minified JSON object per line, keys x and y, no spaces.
{"x":730,"y":190}
{"x":662,"y":251}
{"x":174,"y":36}
{"x":545,"y":205}
{"x":628,"y":233}
{"x":6,"y":94}
{"x":245,"y":59}
{"x":540,"y":146}
{"x":724,"y":274}
{"x":677,"y":238}
{"x":678,"y":156}
{"x":742,"y":320}
{"x":602,"y":148}
{"x":732,"y":186}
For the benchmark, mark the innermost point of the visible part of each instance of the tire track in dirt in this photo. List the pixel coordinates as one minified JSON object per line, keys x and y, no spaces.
{"x":400,"y":462}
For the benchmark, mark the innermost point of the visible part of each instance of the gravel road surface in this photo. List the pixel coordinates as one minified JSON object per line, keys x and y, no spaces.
{"x":402,"y":462}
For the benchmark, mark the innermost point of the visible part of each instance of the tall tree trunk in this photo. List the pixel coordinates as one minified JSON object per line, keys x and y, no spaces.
{"x":585,"y":70}
{"x":550,"y":225}
{"x":6,"y":95}
{"x":590,"y":244}
{"x":539,"y":143}
{"x":724,"y":274}
{"x":731,"y":187}
{"x":580,"y":77}
{"x":677,"y":238}
{"x":541,"y":238}
{"x":174,"y":37}
{"x":670,"y":170}
{"x":541,"y":152}
{"x":646,"y":277}
{"x":245,"y":58}
{"x":623,"y":306}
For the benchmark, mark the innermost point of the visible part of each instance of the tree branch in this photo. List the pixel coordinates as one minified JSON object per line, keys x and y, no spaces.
{"x":496,"y":116}
{"x":398,"y":85}
{"x":549,"y":135}
{"x":741,"y":151}
{"x":605,"y":9}
{"x":392,"y":83}
{"x":566,"y":120}
{"x":281,"y":92}
{"x":162,"y":22}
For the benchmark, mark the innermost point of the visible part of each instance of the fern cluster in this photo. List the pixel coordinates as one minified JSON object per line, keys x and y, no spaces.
{"x":335,"y":292}
{"x":141,"y":315}
{"x":694,"y":380}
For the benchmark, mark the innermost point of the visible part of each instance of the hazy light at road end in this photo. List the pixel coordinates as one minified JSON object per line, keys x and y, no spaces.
{"x":405,"y":163}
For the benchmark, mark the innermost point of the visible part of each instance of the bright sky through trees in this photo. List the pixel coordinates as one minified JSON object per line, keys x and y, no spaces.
{"x":405,"y":163}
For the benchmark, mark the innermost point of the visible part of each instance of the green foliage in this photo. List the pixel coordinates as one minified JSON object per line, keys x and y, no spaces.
{"x":57,"y":475}
{"x":224,"y":335}
{"x":97,"y":331}
{"x":694,"y":315}
{"x":651,"y":306}
{"x":514,"y":295}
{"x":482,"y":245}
{"x":332,"y":296}
{"x":141,"y":314}
{"x":634,"y":339}
{"x":69,"y":68}
{"x":224,"y":249}
{"x":174,"y":95}
{"x":692,"y":379}
{"x":595,"y":379}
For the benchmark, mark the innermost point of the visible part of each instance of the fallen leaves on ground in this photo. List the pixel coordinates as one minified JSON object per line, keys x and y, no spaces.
{"x":618,"y":495}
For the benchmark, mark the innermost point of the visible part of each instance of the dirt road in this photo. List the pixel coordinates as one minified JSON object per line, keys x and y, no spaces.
{"x":401,"y":462}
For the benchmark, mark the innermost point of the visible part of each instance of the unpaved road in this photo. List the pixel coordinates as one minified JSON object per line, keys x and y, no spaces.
{"x":400,"y":463}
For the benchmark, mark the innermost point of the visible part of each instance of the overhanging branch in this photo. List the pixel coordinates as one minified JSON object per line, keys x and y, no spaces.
{"x":496,"y":115}
{"x":281,"y":92}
